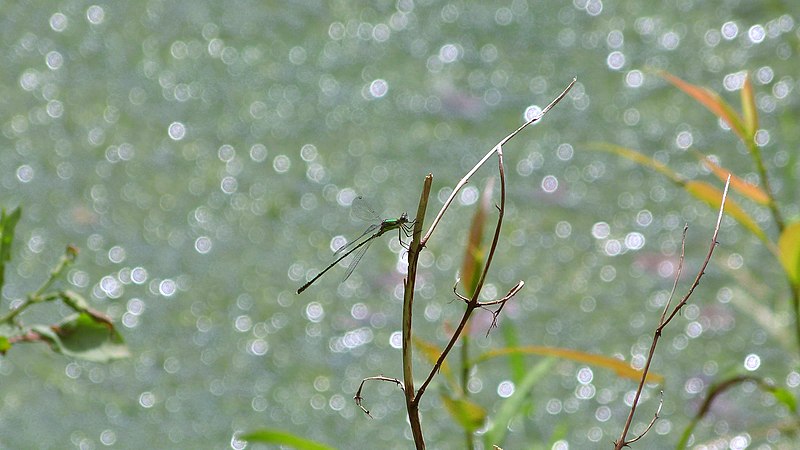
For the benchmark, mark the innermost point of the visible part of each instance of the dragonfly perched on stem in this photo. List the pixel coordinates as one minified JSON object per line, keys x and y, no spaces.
{"x":358,"y":246}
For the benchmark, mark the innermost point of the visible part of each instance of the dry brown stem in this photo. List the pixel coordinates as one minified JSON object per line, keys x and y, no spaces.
{"x":666,"y":319}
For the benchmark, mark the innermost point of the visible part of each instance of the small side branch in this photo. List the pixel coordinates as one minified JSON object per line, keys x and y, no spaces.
{"x":359,"y":399}
{"x":652,"y":422}
{"x":502,"y":303}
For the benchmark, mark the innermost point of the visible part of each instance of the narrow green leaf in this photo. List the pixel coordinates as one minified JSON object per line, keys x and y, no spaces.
{"x":749,"y":110}
{"x":267,"y":436}
{"x":713,"y":102}
{"x":8,"y":222}
{"x":82,"y":336}
{"x":713,"y":197}
{"x":513,"y":406}
{"x":789,"y":247}
{"x":516,"y":362}
{"x":786,"y":397}
{"x":466,"y":413}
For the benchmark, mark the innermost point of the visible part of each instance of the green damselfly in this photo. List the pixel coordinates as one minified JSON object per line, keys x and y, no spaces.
{"x":358,"y":246}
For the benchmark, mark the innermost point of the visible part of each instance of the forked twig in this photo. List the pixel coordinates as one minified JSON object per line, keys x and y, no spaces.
{"x":418,"y":242}
{"x":665,"y":320}
{"x":473,"y":301}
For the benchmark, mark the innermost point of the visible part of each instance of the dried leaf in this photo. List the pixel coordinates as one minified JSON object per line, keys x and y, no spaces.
{"x":638,"y":158}
{"x":473,"y":257}
{"x":622,"y":368}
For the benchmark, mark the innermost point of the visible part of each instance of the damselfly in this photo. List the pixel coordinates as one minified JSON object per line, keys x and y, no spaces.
{"x":358,"y":246}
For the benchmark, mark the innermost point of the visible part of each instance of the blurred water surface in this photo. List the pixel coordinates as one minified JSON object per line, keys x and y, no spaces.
{"x":203,"y":155}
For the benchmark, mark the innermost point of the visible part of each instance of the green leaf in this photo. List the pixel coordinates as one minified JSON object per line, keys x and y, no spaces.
{"x":713,"y":197}
{"x":786,"y":397}
{"x":513,"y":405}
{"x":789,"y":248}
{"x":82,"y":336}
{"x":468,"y":414}
{"x":267,"y":436}
{"x":749,"y":110}
{"x":516,"y":362}
{"x":4,"y":345}
{"x":7,"y":225}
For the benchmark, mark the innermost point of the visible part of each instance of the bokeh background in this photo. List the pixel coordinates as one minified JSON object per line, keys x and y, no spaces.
{"x":202,"y":155}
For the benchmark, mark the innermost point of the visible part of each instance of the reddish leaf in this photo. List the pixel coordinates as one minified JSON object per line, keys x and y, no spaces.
{"x":713,"y":197}
{"x":713,"y":102}
{"x":750,"y":191}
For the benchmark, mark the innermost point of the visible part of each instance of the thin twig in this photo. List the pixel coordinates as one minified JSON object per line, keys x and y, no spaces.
{"x":39,"y":295}
{"x":359,"y":399}
{"x":455,"y":291}
{"x":622,"y":442}
{"x":502,"y":302}
{"x":653,"y":421}
{"x":677,"y":274}
{"x":500,"y":214}
{"x":486,"y":157}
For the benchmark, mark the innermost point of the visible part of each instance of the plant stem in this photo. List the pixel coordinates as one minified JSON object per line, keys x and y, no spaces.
{"x":762,"y":173}
{"x":465,"y":367}
{"x":412,"y":406}
{"x":793,"y":288}
{"x":38,"y":296}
